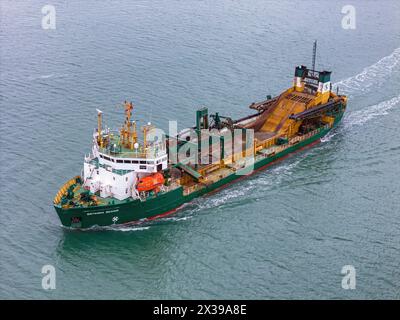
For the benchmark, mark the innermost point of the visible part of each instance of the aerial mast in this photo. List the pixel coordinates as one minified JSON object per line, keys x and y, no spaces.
{"x":99,"y":125}
{"x":314,"y":56}
{"x":126,"y":129}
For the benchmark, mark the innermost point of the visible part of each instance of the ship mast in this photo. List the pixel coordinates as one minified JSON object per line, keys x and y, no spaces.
{"x":314,"y":55}
{"x":99,"y":127}
{"x":126,"y":131}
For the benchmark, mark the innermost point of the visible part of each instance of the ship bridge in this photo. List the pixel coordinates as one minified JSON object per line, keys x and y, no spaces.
{"x":118,"y":156}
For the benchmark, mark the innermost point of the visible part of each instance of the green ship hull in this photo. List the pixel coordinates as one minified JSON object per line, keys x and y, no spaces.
{"x":135,"y":210}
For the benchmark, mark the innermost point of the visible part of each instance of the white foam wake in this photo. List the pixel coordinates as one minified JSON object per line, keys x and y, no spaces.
{"x":128,"y":229}
{"x":372,"y":75}
{"x":46,"y":76}
{"x":225,"y":196}
{"x":329,"y":136}
{"x":362,"y":116}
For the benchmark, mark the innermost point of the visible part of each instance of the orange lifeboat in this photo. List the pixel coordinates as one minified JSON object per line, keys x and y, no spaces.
{"x":155,"y":181}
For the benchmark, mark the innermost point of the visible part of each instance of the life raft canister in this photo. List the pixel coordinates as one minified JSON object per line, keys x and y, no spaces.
{"x":151,"y":182}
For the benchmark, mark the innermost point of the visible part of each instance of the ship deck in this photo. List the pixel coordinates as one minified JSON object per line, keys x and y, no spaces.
{"x":118,"y":149}
{"x":100,"y":201}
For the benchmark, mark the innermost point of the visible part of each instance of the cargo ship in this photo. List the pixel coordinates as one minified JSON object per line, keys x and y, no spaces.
{"x":140,"y":174}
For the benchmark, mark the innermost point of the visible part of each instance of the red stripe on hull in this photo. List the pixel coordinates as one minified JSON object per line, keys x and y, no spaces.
{"x":163,"y":215}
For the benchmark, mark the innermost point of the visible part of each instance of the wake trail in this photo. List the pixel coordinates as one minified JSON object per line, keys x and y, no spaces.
{"x":362,"y":116}
{"x":371,"y":76}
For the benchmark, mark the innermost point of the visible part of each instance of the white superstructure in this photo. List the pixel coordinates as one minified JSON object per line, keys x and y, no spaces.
{"x":114,"y":172}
